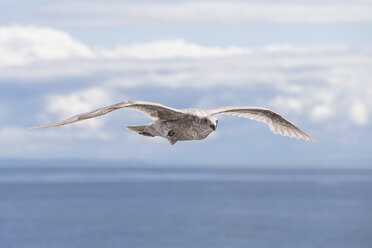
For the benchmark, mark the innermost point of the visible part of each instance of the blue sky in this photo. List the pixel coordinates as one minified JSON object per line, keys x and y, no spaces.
{"x":310,"y":61}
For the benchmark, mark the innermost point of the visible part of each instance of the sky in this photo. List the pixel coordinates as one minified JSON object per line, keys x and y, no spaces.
{"x":310,"y":61}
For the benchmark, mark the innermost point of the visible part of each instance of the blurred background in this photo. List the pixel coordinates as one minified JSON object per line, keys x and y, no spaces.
{"x":308,"y":60}
{"x":97,"y":184}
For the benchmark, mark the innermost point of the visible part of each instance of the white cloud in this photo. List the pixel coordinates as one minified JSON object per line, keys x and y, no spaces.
{"x":322,"y":80}
{"x":288,"y":104}
{"x":78,"y":102}
{"x":305,"y":49}
{"x":20,"y":45}
{"x":65,"y":106}
{"x":60,"y":106}
{"x":111,"y":13}
{"x":170,"y":49}
{"x":321,"y":112}
{"x":359,"y":113}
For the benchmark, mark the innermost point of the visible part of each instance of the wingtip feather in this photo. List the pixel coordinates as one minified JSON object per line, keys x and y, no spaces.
{"x":36,"y":127}
{"x":42,"y":126}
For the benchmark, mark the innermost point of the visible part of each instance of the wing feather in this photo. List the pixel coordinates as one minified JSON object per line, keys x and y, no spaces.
{"x":154,"y":110}
{"x":276,"y":123}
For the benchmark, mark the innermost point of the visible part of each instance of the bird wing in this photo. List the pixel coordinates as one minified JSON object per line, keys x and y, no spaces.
{"x":154,"y":110}
{"x":277,"y":124}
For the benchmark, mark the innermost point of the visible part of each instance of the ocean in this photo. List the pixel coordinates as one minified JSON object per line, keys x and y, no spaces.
{"x":144,"y":206}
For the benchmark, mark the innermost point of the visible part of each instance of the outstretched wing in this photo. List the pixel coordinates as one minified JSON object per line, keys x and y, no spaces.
{"x":154,"y":110}
{"x":277,"y":124}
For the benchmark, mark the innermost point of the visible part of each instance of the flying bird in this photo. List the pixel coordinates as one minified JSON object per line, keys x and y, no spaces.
{"x":189,"y":124}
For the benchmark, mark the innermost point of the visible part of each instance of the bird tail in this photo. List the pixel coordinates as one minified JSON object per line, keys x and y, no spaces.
{"x":141,"y":130}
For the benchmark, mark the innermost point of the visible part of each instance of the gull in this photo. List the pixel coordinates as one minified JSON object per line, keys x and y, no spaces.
{"x":189,"y":124}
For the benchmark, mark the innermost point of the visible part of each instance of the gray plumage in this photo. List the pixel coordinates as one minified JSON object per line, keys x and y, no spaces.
{"x":190,"y":124}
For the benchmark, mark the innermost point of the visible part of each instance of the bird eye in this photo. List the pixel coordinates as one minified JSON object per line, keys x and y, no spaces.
{"x":205,"y":120}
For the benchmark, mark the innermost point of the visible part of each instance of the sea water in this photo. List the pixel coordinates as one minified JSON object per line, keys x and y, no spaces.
{"x":184,"y":207}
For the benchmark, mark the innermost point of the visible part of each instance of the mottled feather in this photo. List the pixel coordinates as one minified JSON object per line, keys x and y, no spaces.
{"x":155,"y":110}
{"x":190,"y":124}
{"x":276,"y":123}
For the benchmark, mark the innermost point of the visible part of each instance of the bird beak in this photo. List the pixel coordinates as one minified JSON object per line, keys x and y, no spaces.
{"x":213,"y":127}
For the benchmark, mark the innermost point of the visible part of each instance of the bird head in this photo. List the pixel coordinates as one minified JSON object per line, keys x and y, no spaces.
{"x":210,"y":122}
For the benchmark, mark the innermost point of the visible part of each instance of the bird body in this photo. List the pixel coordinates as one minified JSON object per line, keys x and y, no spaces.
{"x":190,"y":127}
{"x":190,"y":124}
